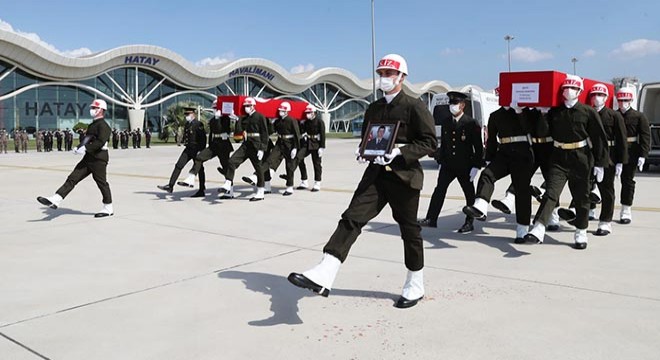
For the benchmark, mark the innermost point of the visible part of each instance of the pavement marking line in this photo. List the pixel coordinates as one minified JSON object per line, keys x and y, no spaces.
{"x":346,"y":191}
{"x":23,"y":346}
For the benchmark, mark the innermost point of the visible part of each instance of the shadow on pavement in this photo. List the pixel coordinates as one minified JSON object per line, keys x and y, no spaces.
{"x":55,"y":213}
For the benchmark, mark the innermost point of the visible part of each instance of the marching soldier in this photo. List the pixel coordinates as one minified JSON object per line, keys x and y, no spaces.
{"x":395,"y":178}
{"x":255,"y":129}
{"x":580,"y":145}
{"x":95,"y":162}
{"x":3,"y":140}
{"x":314,"y":145}
{"x":508,"y":152}
{"x":460,"y":157}
{"x":219,"y":145}
{"x":194,"y":139}
{"x":638,"y":132}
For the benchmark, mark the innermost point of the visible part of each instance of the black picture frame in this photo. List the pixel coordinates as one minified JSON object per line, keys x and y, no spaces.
{"x":371,"y":147}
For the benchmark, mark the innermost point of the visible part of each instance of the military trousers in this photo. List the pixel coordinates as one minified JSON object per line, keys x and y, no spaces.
{"x":221,"y":150}
{"x":316,"y":163}
{"x":628,"y":181}
{"x":607,"y":194}
{"x":245,"y":152}
{"x":446,"y":176}
{"x":368,"y":200}
{"x":186,"y":155}
{"x":88,"y":165}
{"x":277,"y":154}
{"x":542,"y":154}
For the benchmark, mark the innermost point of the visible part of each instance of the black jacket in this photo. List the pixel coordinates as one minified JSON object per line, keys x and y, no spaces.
{"x":615,"y":129}
{"x":638,"y":125}
{"x":460,"y":143}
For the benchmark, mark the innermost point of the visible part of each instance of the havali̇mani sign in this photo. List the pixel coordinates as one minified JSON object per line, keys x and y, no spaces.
{"x":142,"y":60}
{"x":252,"y":70}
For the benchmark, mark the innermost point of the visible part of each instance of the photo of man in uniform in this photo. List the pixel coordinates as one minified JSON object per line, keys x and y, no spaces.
{"x":379,"y":143}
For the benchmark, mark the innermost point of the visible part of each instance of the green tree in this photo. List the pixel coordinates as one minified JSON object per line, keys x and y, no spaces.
{"x":176,"y":119}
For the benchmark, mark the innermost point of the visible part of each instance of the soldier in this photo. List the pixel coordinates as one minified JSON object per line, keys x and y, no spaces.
{"x":17,"y":140}
{"x":147,"y":137}
{"x":314,"y":127}
{"x":138,"y":137}
{"x":134,"y":138}
{"x":580,"y":145}
{"x":58,"y":139}
{"x":68,"y":139}
{"x":288,"y":143}
{"x":255,"y":129}
{"x":459,"y":157}
{"x":638,"y":132}
{"x":219,"y":145}
{"x":194,"y":139}
{"x":115,"y":138}
{"x":95,"y":162}
{"x":3,"y":140}
{"x":508,"y":152}
{"x":25,"y":140}
{"x":40,"y":141}
{"x":395,"y":178}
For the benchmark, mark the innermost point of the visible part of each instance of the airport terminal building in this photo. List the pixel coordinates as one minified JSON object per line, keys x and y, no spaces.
{"x":40,"y":89}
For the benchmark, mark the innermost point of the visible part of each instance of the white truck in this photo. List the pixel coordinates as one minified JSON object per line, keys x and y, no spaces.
{"x":480,"y":105}
{"x":649,"y":105}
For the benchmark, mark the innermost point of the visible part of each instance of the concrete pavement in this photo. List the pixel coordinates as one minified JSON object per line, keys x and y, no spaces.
{"x":172,"y":277}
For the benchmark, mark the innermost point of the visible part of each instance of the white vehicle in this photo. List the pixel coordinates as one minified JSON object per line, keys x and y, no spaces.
{"x":479,"y":106}
{"x":649,"y":105}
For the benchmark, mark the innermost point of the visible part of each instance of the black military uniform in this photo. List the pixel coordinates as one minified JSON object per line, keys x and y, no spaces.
{"x":461,"y":149}
{"x":638,"y":132}
{"x":115,"y":139}
{"x":509,"y":152}
{"x":194,"y":139}
{"x":315,"y":140}
{"x":138,"y":137}
{"x":58,"y":138}
{"x":68,"y":139}
{"x":288,"y":138}
{"x":580,"y":144}
{"x":147,"y":137}
{"x":219,"y":144}
{"x":255,"y":128}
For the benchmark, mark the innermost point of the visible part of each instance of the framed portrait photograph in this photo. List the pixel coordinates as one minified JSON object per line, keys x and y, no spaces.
{"x":379,"y":139}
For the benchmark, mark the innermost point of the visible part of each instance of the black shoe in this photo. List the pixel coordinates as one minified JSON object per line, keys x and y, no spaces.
{"x":519,"y":240}
{"x":579,"y":246}
{"x":466,"y":228}
{"x":625,"y":221}
{"x":404,"y":303}
{"x":283,"y":176}
{"x":300,"y":187}
{"x":286,"y":193}
{"x":499,"y":205}
{"x":594,"y":198}
{"x":592,"y":218}
{"x":167,"y":188}
{"x":184,"y":184}
{"x":302,"y":281}
{"x":199,"y":193}
{"x":532,"y":239}
{"x":601,"y":232}
{"x":426,"y":223}
{"x":43,"y":201}
{"x":553,"y":227}
{"x":315,"y":190}
{"x":474,"y":213}
{"x":102,"y":214}
{"x":248,"y":180}
{"x":225,"y":195}
{"x":256,"y":199}
{"x":566,"y":214}
{"x":536,"y":192}
{"x":221,"y":170}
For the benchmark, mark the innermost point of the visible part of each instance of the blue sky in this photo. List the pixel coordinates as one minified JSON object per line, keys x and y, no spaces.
{"x":460,"y":42}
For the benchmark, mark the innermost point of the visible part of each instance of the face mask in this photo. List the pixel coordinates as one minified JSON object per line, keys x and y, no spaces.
{"x":598,"y":101}
{"x":309,"y":116}
{"x":455,"y":109}
{"x":217,"y":114}
{"x":570,"y":94}
{"x":249,"y":109}
{"x":624,"y":105}
{"x":189,"y":118}
{"x":93,"y":112}
{"x":282,"y":114}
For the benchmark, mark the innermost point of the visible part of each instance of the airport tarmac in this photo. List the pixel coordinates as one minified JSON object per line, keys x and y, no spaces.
{"x":173,"y":277}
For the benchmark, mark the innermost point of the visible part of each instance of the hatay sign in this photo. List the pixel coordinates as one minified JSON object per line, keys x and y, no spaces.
{"x":141,"y":60}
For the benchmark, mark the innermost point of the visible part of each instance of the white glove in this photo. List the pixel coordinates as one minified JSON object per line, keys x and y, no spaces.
{"x":224,"y":136}
{"x":359,"y":158}
{"x":487,"y":163}
{"x":599,"y":172}
{"x":640,"y":163}
{"x":293,"y":153}
{"x":320,"y":152}
{"x":80,"y":150}
{"x":473,"y":173}
{"x":543,"y":109}
{"x":260,"y":155}
{"x":618,"y":169}
{"x":387,"y":159}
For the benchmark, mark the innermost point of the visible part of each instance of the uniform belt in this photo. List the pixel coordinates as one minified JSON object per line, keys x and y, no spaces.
{"x":317,"y":137}
{"x":610,"y":142}
{"x":252,"y":134}
{"x":285,"y":136}
{"x":632,"y":139}
{"x":222,"y":135}
{"x":514,"y":139}
{"x":542,"y":140}
{"x":571,"y":146}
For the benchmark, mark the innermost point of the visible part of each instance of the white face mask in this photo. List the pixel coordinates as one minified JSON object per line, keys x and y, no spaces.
{"x":570,"y":94}
{"x":189,"y":118}
{"x":598,"y":101}
{"x":93,"y":112}
{"x":455,"y":109}
{"x":309,"y":116}
{"x":282,"y":114}
{"x":624,"y":105}
{"x":249,"y":109}
{"x":217,"y":114}
{"x":387,"y":84}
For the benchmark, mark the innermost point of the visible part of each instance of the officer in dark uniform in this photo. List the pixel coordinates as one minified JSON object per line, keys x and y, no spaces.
{"x":138,"y":137}
{"x":194,"y":138}
{"x":508,"y":152}
{"x":580,"y":145}
{"x":68,"y":139}
{"x":219,"y":145}
{"x":314,"y":145}
{"x":460,"y":156}
{"x":115,"y":138}
{"x":255,"y":129}
{"x":147,"y":137}
{"x":58,"y":138}
{"x":395,"y":178}
{"x":638,"y":132}
{"x":95,"y":162}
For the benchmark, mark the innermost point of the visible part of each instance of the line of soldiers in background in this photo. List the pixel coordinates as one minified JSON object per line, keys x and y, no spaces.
{"x":44,"y":139}
{"x":121,"y":138}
